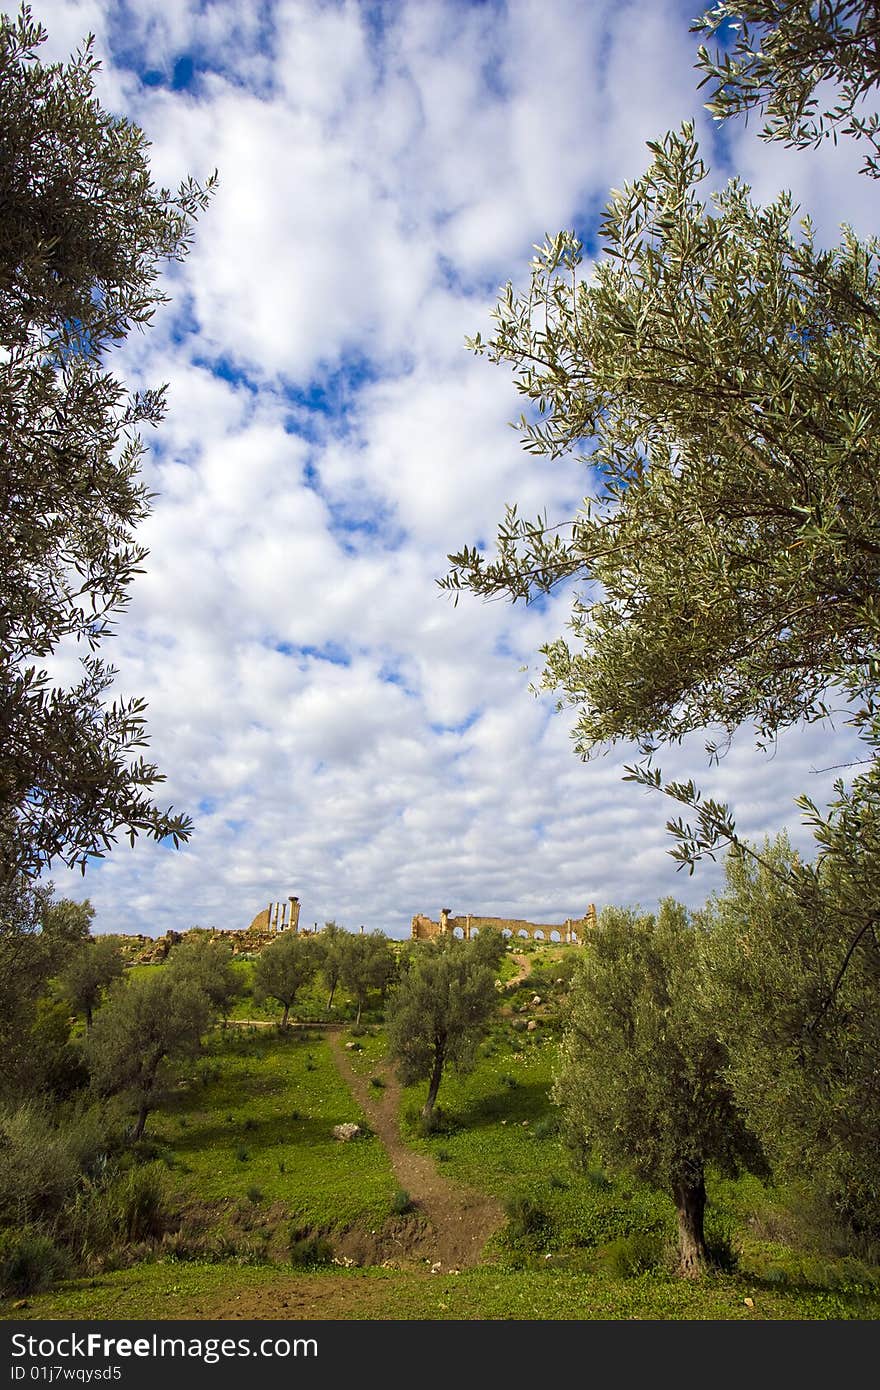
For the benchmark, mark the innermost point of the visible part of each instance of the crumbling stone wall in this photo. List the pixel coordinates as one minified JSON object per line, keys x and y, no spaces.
{"x":572,"y":930}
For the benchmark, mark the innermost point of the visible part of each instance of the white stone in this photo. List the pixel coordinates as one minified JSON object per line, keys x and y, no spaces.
{"x":346,"y":1131}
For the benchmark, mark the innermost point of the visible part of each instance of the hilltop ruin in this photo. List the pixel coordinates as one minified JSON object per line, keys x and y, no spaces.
{"x":572,"y":931}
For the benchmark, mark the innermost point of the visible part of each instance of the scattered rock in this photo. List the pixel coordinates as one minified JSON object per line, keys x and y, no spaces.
{"x":436,"y":1266}
{"x":346,"y":1131}
{"x":21,"y":1303}
{"x":749,"y":1302}
{"x":531,"y":1026}
{"x":536,"y":998}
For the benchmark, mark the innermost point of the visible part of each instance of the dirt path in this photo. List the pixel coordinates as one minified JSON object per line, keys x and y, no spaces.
{"x":447,"y":1230}
{"x":525,"y":968}
{"x":458,"y":1221}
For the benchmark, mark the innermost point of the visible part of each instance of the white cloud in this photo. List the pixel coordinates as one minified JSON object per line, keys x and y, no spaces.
{"x":335,"y":726}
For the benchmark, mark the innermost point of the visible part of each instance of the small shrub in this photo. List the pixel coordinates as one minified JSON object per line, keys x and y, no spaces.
{"x":139,"y":1203}
{"x":308,"y":1248}
{"x":443,"y":1155}
{"x":250,"y":1123}
{"x":557,"y":1183}
{"x":628,"y":1256}
{"x":509,"y":1081}
{"x":254,"y":1194}
{"x":525,"y":1217}
{"x":281,"y":1167}
{"x":401,"y":1202}
{"x":30,"y":1263}
{"x":146,"y":1150}
{"x":242,"y":1154}
{"x":378,"y":1082}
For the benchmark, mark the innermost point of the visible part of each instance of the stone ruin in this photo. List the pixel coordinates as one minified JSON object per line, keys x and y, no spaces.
{"x":265,"y":928}
{"x":572,"y":931}
{"x":277,"y":917}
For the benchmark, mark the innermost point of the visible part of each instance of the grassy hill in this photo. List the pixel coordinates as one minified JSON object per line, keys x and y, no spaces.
{"x":253,"y":1207}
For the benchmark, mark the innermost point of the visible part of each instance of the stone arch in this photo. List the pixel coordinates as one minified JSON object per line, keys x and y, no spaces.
{"x":523,"y":933}
{"x":575,"y":938}
{"x":506,"y":932}
{"x":555,"y":936}
{"x":537,"y":935}
{"x":458,"y":932}
{"x":475,"y":931}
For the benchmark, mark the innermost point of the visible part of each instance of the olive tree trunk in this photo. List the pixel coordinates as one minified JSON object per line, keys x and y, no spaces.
{"x":689,"y":1194}
{"x":434,"y":1087}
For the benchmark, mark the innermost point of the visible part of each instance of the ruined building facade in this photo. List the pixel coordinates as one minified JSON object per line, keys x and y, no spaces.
{"x":572,"y":930}
{"x":277,"y":917}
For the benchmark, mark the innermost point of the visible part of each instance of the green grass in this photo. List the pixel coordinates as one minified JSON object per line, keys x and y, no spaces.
{"x":168,"y":1290}
{"x":249,"y":1131}
{"x":499,"y":1135}
{"x":259,"y":1113}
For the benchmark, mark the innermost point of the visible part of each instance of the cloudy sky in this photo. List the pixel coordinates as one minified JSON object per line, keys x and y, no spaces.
{"x":336,"y":728}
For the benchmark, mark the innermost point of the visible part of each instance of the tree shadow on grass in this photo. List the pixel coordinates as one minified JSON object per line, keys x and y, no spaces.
{"x":257,"y":1136}
{"x":526,"y":1100}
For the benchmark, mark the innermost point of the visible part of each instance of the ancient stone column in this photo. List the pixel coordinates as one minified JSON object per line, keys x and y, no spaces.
{"x":444,"y":920}
{"x":293,"y":923}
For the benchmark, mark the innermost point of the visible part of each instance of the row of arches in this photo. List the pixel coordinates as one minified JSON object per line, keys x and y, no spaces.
{"x":554,"y":934}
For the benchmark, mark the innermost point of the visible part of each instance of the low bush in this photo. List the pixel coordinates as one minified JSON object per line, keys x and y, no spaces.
{"x":628,"y":1256}
{"x":308,"y":1248}
{"x":525,"y":1217}
{"x":30,"y":1262}
{"x":139,"y":1202}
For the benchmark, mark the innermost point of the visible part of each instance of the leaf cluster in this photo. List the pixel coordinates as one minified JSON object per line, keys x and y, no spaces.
{"x":84,"y":233}
{"x":716,"y":372}
{"x":783,"y":60}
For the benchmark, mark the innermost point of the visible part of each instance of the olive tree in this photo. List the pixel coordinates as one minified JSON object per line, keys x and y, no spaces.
{"x":146,"y":1025}
{"x":641,"y":1078}
{"x":717,"y":371}
{"x":331,"y":948}
{"x":439,"y":1010}
{"x":784,"y":56}
{"x":803,"y":1035}
{"x":283,"y":968}
{"x":88,"y":973}
{"x":367,"y":964}
{"x":207,"y":964}
{"x":84,"y":234}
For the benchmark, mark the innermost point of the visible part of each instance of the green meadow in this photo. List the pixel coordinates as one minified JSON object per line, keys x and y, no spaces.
{"x":259,"y":1202}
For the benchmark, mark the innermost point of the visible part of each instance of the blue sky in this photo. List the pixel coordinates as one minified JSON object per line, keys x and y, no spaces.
{"x":334,"y":725}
